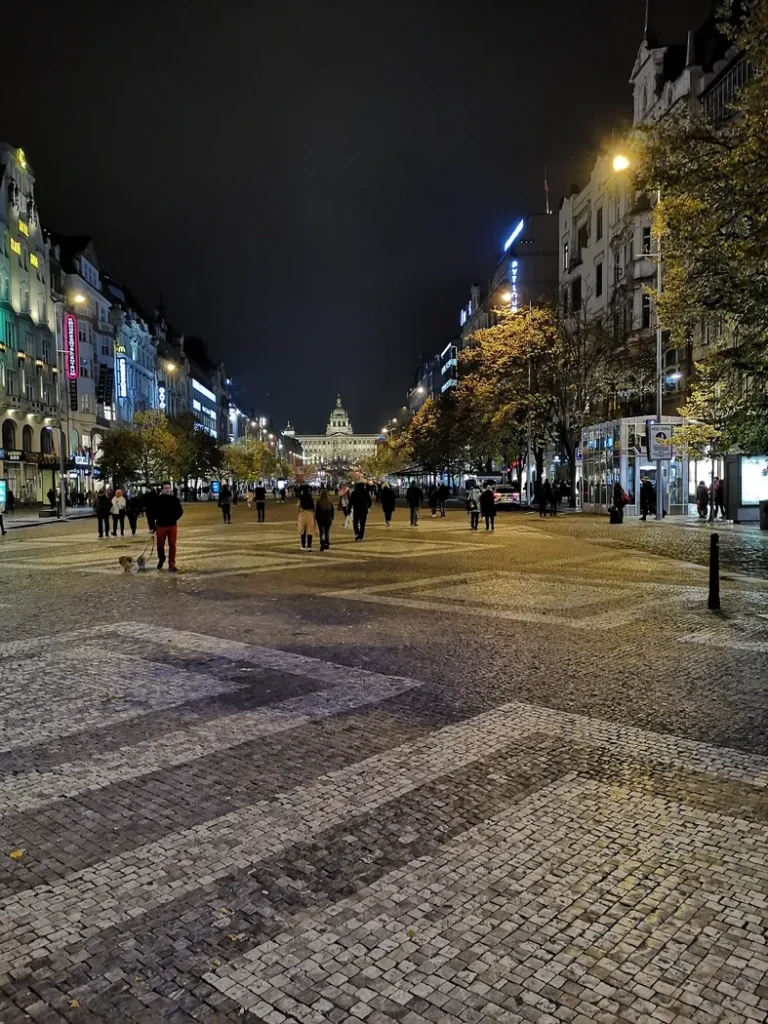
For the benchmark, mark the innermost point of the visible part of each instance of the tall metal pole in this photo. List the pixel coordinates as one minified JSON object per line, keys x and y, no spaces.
{"x":528,"y":456}
{"x":59,"y":377}
{"x":659,"y":376}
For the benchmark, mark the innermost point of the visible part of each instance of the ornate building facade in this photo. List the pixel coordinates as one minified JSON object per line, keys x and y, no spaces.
{"x":339,"y":444}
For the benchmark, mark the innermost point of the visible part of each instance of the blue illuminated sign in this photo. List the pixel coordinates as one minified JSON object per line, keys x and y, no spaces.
{"x":515,"y":235}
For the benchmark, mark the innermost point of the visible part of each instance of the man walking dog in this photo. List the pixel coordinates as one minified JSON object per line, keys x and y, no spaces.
{"x":168,"y":511}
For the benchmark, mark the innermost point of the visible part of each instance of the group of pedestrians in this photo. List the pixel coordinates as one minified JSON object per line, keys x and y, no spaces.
{"x":317,"y":516}
{"x":163,"y":512}
{"x":714,"y":496}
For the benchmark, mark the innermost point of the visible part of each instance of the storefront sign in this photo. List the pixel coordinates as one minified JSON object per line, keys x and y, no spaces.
{"x":11,"y":455}
{"x":161,"y":398}
{"x":73,"y":395}
{"x":122,"y":377}
{"x":81,"y":460}
{"x":659,"y":436}
{"x":215,"y":487}
{"x":71,"y":347}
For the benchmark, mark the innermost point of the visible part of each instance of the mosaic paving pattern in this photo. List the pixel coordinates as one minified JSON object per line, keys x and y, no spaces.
{"x":217,"y":831}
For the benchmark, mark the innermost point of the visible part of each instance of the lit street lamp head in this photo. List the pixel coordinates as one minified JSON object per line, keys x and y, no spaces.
{"x":620,"y":163}
{"x":506,"y":296}
{"x":79,"y":299}
{"x":170,"y":367}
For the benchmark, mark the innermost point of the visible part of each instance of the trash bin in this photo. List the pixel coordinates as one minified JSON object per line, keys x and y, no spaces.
{"x":764,"y":515}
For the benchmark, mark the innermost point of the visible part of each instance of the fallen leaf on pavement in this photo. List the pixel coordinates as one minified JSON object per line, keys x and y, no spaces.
{"x":16,"y":854}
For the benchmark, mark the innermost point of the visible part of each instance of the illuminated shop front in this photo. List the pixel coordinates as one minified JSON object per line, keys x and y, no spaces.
{"x":618,"y":451}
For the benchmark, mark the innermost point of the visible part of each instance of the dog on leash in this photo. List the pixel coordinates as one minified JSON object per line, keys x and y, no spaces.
{"x":130,"y":564}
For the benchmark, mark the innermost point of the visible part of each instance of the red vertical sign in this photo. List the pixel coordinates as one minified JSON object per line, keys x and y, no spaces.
{"x":71,"y":347}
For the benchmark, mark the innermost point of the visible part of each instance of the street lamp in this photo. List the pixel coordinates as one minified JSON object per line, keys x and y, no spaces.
{"x":622,"y":163}
{"x":506,"y":296}
{"x":79,"y":299}
{"x":170,"y":367}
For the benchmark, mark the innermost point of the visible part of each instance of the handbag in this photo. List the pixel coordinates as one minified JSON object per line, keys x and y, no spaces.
{"x":347,"y":522}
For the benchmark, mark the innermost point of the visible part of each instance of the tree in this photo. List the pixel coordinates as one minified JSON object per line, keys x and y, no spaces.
{"x":712,"y":217}
{"x":249,"y":459}
{"x":391,"y":456}
{"x":435,"y":437}
{"x":199,"y":455}
{"x":537,"y":367}
{"x":158,"y":446}
{"x":120,"y":455}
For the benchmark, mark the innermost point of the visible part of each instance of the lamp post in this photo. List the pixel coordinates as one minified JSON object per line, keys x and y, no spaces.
{"x":620,"y":164}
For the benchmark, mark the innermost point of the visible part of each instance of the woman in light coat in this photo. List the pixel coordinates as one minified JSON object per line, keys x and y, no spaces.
{"x":307,"y":524}
{"x":118,"y":513}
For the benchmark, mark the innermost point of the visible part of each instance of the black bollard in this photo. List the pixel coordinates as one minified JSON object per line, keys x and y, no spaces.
{"x":714,"y":573}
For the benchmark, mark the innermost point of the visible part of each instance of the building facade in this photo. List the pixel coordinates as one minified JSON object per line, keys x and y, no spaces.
{"x":29,"y":441}
{"x":339,"y":445}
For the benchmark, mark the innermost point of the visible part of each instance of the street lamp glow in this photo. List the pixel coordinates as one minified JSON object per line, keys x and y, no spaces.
{"x":170,"y":367}
{"x":506,"y":296}
{"x":79,"y":299}
{"x":620,"y":163}
{"x":419,"y":390}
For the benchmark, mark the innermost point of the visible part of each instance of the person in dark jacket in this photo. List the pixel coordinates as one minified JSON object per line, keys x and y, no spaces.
{"x":488,"y":507}
{"x":150,"y":507}
{"x":387,"y":499}
{"x":225,"y":502}
{"x":434,"y":501}
{"x":103,"y":507}
{"x":168,"y":512}
{"x":702,"y":499}
{"x":618,"y":500}
{"x":359,"y":503}
{"x":545,"y":497}
{"x":647,"y":498}
{"x":719,"y":497}
{"x":324,"y":513}
{"x":133,"y":509}
{"x":414,"y":496}
{"x":443,"y":494}
{"x":260,"y":497}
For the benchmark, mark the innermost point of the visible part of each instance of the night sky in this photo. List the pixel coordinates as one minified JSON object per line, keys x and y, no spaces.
{"x":314,"y":186}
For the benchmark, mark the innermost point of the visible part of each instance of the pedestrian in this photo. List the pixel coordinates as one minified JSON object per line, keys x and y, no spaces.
{"x":324,"y":513}
{"x":282,"y":494}
{"x":260,"y":497}
{"x":488,"y":507}
{"x":118,"y":513}
{"x":275,"y":492}
{"x":103,"y":506}
{"x":545,"y":497}
{"x":150,"y":506}
{"x":647,"y":498}
{"x":719,"y":497}
{"x":344,"y":500}
{"x":133,"y":509}
{"x":387,"y":499}
{"x":307,"y":520}
{"x":442,"y":496}
{"x":620,"y":499}
{"x":234,"y":498}
{"x":359,"y":503}
{"x":168,"y":512}
{"x":10,"y":501}
{"x":225,"y":499}
{"x":414,"y":496}
{"x":433,"y":501}
{"x":555,"y":497}
{"x":473,"y":505}
{"x":702,"y":499}
{"x":51,"y":497}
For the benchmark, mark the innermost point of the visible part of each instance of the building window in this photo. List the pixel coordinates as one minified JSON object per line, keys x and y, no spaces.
{"x":565,"y":256}
{"x":632,"y":247}
{"x":576,"y":295}
{"x":46,"y":351}
{"x":617,"y":268}
{"x":16,"y":246}
{"x":83,"y":366}
{"x":34,"y":260}
{"x":565,"y":302}
{"x":599,"y":224}
{"x":85,"y":402}
{"x":646,"y":241}
{"x":646,"y":311}
{"x":582,"y":237}
{"x":599,"y":280}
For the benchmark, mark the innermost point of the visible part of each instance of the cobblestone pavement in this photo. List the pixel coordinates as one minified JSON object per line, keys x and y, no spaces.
{"x":437,"y":776}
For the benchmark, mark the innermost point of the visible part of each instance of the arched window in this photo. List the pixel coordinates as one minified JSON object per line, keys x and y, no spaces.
{"x":26,"y":438}
{"x":9,"y":434}
{"x":46,"y":441}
